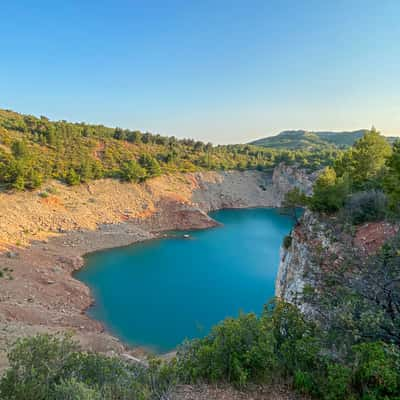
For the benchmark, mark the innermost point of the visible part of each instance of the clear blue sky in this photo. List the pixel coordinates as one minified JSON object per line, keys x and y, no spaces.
{"x":224,"y":71}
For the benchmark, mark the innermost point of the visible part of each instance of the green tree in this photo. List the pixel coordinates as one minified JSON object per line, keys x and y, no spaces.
{"x":391,"y":183}
{"x":35,"y":365}
{"x":365,"y":160}
{"x":329,"y":191}
{"x":151,"y":165}
{"x":19,"y":149}
{"x":33,"y":178}
{"x":293,"y":200}
{"x":237,"y":351}
{"x":72,"y":178}
{"x":19,"y":183}
{"x":131,"y":171}
{"x":74,"y":390}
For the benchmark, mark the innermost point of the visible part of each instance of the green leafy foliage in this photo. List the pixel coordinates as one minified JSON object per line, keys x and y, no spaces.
{"x":283,"y":345}
{"x":294,"y":199}
{"x":237,"y":350}
{"x":287,"y":241}
{"x":330,"y":191}
{"x":391,"y":181}
{"x":35,"y":149}
{"x":131,"y":171}
{"x":365,"y":161}
{"x":365,"y":207}
{"x":377,"y":370}
{"x":368,"y":167}
{"x":48,"y":367}
{"x":74,"y":390}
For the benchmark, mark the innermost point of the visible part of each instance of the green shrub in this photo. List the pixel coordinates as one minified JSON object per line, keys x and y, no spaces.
{"x":47,"y":367}
{"x":36,"y":365}
{"x":366,"y":207}
{"x":337,"y":384}
{"x":237,"y":351}
{"x":131,"y":171}
{"x":304,"y":382}
{"x":43,"y":195}
{"x":287,"y":241}
{"x":377,"y":370}
{"x":74,"y":390}
{"x":72,"y":178}
{"x":330,"y":191}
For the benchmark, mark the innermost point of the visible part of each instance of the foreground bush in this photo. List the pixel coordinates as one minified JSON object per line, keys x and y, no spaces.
{"x":237,"y":351}
{"x":366,"y":207}
{"x":282,"y":345}
{"x":48,"y":367}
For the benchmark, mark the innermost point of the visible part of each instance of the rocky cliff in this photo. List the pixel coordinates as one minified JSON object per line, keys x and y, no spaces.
{"x":319,"y":244}
{"x":178,"y":201}
{"x":299,"y":261}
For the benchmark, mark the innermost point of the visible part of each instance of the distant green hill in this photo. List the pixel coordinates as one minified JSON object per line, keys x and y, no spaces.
{"x":305,"y":140}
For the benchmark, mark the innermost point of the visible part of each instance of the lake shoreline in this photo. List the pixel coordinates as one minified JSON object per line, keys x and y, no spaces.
{"x":240,"y":228}
{"x":43,"y":296}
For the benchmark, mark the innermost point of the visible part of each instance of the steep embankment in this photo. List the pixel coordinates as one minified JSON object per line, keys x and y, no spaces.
{"x":317,"y":245}
{"x":45,"y":233}
{"x":166,"y":202}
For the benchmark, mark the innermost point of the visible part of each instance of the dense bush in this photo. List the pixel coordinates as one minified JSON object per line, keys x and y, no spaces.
{"x":391,"y":182}
{"x":74,"y":390}
{"x":237,"y":351}
{"x":330,"y":191}
{"x":352,"y":350}
{"x":279,"y":346}
{"x":365,"y":207}
{"x":282,"y":345}
{"x":51,"y":368}
{"x":362,"y":171}
{"x":287,"y":241}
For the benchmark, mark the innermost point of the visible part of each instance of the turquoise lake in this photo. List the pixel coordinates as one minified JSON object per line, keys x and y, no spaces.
{"x":157,"y":293}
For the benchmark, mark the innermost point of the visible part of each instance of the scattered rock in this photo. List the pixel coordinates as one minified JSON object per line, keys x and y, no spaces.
{"x":11,"y":254}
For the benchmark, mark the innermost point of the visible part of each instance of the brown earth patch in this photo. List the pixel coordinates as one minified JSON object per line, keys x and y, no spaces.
{"x":371,"y":236}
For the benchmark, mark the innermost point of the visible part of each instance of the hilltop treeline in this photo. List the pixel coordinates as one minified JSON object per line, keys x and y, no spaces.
{"x":35,"y":149}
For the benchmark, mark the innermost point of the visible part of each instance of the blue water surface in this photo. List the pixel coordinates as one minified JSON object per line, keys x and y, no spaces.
{"x":157,"y":293}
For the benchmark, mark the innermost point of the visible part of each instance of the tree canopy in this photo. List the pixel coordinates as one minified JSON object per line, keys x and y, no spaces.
{"x":35,"y":149}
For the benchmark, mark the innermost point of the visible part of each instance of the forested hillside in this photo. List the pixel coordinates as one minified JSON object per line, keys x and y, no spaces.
{"x":305,"y":140}
{"x":35,"y":149}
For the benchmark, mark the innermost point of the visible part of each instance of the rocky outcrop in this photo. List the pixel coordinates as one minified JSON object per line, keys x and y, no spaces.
{"x":300,"y":261}
{"x":318,"y":245}
{"x":286,"y":177}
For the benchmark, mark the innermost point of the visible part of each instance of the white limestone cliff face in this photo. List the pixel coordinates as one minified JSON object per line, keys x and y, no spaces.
{"x":298,"y":263}
{"x":286,"y":177}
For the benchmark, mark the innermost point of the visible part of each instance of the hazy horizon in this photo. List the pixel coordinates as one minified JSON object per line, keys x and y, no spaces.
{"x":225,"y":72}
